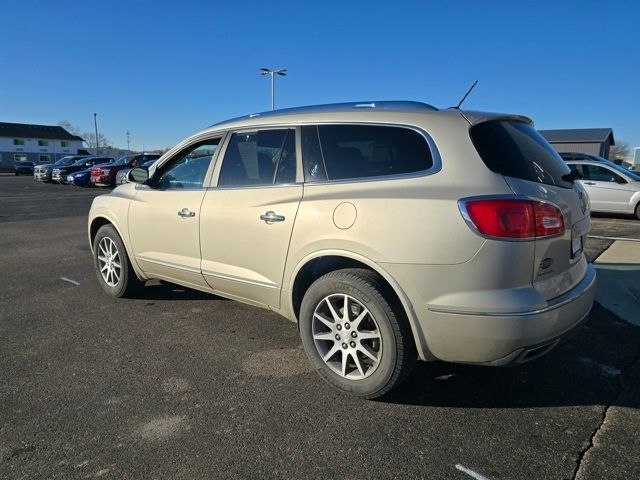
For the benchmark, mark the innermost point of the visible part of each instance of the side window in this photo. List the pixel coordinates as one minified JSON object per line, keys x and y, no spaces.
{"x":599,"y":174}
{"x":312,"y":161}
{"x":360,"y":151}
{"x":262,"y":157}
{"x":187,"y":170}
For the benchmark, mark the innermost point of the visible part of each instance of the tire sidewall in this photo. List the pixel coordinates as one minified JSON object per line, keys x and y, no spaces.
{"x":362,"y":292}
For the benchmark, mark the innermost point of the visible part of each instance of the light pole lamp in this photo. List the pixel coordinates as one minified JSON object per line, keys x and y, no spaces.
{"x":95,"y":124}
{"x":266,"y":71}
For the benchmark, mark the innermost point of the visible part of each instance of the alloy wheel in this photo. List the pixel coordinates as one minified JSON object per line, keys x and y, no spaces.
{"x":109,"y":261}
{"x":346,"y":336}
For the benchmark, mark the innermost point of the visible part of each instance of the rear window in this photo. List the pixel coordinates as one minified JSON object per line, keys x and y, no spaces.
{"x":361,"y":151}
{"x":515,"y":149}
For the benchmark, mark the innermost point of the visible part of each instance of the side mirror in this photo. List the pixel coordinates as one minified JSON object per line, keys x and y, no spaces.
{"x":138,"y":175}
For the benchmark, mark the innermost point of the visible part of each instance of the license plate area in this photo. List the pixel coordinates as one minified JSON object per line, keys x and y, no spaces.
{"x":577,"y":244}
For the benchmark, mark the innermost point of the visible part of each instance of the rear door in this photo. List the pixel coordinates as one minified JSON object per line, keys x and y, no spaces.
{"x":532,"y":168}
{"x":247,"y":220}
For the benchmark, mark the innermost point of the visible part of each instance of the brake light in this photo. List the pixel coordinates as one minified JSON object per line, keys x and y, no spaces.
{"x":514,"y":218}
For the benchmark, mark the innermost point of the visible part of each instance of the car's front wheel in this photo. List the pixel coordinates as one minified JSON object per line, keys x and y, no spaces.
{"x":115,"y":274}
{"x":355,"y":333}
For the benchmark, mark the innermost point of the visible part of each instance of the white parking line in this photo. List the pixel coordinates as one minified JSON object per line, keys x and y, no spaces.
{"x":614,"y":238}
{"x":470,"y":472}
{"x":69,"y":280}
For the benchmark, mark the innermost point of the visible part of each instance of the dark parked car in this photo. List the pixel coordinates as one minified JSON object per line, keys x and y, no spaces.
{"x":60,"y":174}
{"x":23,"y":168}
{"x":42,"y":173}
{"x":121,"y":177}
{"x":81,"y":178}
{"x":106,"y":176}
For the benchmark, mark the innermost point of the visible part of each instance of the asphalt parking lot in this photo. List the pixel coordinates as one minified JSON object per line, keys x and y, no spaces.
{"x":179,"y":384}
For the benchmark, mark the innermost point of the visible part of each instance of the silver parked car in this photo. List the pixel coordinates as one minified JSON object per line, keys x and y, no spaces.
{"x":611,"y":188}
{"x":389,"y":231}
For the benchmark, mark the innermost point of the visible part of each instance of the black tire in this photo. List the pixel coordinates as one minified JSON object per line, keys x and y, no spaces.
{"x":128,"y":283}
{"x":637,"y":212}
{"x":397,"y":351}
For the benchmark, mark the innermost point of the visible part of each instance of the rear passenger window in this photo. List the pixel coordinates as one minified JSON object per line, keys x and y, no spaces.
{"x":263,"y":157}
{"x":360,"y":151}
{"x":516,"y":149}
{"x":599,"y":174}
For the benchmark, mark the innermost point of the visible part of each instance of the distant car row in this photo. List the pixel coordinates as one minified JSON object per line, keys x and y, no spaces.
{"x":86,"y":171}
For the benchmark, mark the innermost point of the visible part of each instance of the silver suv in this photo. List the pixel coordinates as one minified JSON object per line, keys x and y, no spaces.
{"x":389,"y":231}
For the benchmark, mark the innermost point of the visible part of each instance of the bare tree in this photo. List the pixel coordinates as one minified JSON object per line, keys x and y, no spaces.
{"x":620,"y":151}
{"x":72,"y":129}
{"x":88,"y":137}
{"x":90,"y":140}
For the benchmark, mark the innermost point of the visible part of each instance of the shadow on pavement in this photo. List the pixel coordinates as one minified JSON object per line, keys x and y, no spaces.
{"x":584,"y":371}
{"x":167,"y":291}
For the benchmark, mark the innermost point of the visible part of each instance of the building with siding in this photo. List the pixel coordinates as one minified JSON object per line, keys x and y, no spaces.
{"x":596,"y":141}
{"x":35,"y":143}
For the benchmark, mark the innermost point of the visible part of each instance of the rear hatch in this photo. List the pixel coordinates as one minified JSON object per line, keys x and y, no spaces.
{"x":533,"y":169}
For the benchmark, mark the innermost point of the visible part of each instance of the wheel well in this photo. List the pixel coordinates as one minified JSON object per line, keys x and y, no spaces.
{"x":95,"y":226}
{"x":320,"y":266}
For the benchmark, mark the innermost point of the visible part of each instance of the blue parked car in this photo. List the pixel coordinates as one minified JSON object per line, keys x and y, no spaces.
{"x":80,"y":179}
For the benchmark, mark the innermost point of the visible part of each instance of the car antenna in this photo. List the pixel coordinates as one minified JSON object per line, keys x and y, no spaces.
{"x":457,"y":107}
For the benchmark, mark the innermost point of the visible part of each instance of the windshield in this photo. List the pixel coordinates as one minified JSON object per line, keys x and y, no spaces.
{"x":80,"y":162}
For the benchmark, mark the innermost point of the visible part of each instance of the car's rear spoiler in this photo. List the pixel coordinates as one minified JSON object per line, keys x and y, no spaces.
{"x":474,"y":118}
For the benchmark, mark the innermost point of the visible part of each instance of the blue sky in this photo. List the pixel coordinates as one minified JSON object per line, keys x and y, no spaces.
{"x":163,"y":70}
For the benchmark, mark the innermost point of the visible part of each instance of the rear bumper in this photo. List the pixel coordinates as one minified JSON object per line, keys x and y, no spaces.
{"x":42,"y":176}
{"x":508,"y":337}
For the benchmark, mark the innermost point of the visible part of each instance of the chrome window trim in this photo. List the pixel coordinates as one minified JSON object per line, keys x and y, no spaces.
{"x":435,"y":153}
{"x":239,"y":280}
{"x":462,"y":207}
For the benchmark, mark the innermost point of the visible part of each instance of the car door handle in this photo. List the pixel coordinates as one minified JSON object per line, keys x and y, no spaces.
{"x":186,"y":213}
{"x":589,"y":183}
{"x":271,"y":217}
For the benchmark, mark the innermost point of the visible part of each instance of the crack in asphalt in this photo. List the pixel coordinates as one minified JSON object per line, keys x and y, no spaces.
{"x":578,"y":471}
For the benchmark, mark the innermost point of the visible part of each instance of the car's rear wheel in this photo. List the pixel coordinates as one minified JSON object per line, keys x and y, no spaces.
{"x":115,"y":274}
{"x":355,"y":333}
{"x":637,"y":212}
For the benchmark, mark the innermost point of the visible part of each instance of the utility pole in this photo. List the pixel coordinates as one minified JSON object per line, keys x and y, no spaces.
{"x":266,"y":71}
{"x":128,"y":149}
{"x":95,"y":124}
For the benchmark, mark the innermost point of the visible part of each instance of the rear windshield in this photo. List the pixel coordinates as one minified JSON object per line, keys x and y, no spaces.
{"x":515,"y":149}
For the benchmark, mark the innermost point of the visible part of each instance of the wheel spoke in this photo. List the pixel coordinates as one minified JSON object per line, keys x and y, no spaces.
{"x":364,"y":349}
{"x":104,"y":267}
{"x":103,"y":249}
{"x":324,"y":336}
{"x":358,"y":364}
{"x":334,"y":314}
{"x":367,"y":335}
{"x":116,"y":265}
{"x":355,"y":323}
{"x":345,"y":358}
{"x":104,"y":259}
{"x":326,"y":321}
{"x":345,"y":309}
{"x":331,"y":352}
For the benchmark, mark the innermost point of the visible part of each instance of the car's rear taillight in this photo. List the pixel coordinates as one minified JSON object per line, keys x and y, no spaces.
{"x":513,"y":217}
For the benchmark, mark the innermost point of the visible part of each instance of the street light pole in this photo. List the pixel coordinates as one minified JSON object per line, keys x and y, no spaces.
{"x":95,"y":124}
{"x":128,"y":149}
{"x":266,"y":71}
